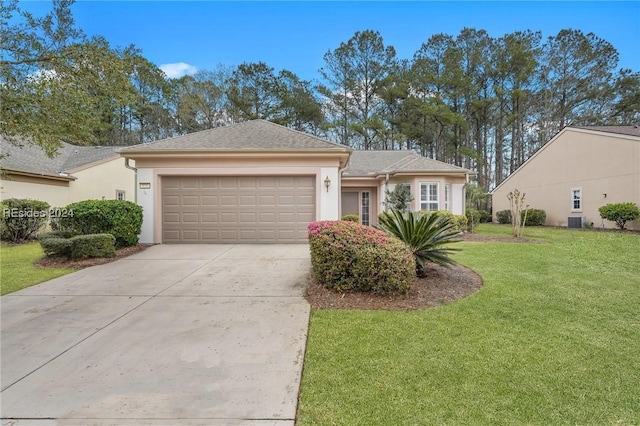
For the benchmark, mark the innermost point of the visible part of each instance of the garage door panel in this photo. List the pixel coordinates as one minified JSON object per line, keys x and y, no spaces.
{"x":229,"y":209}
{"x":227,"y":182}
{"x":210,"y":218}
{"x":209,"y":200}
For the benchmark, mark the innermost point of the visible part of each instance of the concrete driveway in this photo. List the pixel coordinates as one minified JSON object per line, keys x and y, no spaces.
{"x":177,"y":334}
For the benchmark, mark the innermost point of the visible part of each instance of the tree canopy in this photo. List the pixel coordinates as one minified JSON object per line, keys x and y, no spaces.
{"x":467,"y":99}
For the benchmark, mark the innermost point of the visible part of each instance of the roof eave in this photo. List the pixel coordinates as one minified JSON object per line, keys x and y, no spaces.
{"x":67,"y":178}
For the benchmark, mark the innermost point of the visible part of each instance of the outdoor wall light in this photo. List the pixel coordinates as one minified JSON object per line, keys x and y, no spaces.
{"x":145,"y":185}
{"x":604,"y":195}
{"x":327,"y":183}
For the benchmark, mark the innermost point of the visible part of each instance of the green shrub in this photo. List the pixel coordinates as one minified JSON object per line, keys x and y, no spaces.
{"x":535,"y":217}
{"x":485,"y":216}
{"x":427,"y":235}
{"x":347,"y":256}
{"x":351,"y":218}
{"x":400,"y":198}
{"x":473,"y":219}
{"x":22,"y":219}
{"x":459,"y":220}
{"x":503,"y":216}
{"x":55,"y":246}
{"x":122,"y":219}
{"x":92,"y":245}
{"x":620,"y":213}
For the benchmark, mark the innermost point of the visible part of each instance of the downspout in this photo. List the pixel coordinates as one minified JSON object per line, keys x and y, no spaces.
{"x":135,"y":171}
{"x":464,"y":193}
{"x":386,"y":189}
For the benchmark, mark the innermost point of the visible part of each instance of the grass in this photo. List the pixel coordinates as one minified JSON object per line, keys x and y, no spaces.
{"x":18,"y":269}
{"x":553,"y":338}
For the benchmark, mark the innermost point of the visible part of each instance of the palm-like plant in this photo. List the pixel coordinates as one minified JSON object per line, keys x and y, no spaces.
{"x":427,"y":235}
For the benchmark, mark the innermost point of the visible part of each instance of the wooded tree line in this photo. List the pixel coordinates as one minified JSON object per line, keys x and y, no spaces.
{"x":472,"y":100}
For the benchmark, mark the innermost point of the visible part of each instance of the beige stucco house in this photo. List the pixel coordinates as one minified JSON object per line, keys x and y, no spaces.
{"x":259,"y":182}
{"x":76,"y":173}
{"x":576,"y":172}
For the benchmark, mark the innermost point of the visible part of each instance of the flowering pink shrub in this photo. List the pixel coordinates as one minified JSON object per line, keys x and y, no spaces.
{"x":349,"y":256}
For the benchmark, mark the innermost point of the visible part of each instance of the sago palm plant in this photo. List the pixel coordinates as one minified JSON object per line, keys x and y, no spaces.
{"x":428,"y":235}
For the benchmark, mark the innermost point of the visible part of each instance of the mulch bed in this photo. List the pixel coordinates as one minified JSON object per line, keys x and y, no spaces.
{"x":63,"y":262}
{"x":441,"y":285}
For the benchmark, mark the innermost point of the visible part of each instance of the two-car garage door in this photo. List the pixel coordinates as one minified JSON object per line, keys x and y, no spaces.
{"x":237,"y":209}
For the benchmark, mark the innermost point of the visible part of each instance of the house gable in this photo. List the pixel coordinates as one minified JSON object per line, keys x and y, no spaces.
{"x":602,"y":166}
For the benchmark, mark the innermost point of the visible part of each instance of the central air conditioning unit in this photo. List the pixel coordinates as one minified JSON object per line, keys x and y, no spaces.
{"x":576,"y":222}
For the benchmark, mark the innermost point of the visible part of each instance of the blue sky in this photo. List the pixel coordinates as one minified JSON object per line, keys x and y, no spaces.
{"x":296,"y":35}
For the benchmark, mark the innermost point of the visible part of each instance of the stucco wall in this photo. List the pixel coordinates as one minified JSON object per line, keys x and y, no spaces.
{"x":96,"y":182}
{"x":605,"y":166}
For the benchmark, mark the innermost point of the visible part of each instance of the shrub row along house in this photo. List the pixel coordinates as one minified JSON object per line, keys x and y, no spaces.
{"x":577,"y":172}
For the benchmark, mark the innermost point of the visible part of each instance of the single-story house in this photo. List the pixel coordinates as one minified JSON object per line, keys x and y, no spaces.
{"x":576,"y":172}
{"x":259,"y":182}
{"x":76,"y":173}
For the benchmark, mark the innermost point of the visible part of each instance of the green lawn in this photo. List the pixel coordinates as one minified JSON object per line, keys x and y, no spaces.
{"x":553,"y":338}
{"x":17,"y":269}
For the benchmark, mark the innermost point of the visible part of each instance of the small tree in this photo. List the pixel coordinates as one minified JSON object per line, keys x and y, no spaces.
{"x":399,"y":198}
{"x":620,"y":213}
{"x":517,"y":206}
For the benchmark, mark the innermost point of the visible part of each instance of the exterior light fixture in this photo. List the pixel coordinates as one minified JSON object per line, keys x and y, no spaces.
{"x":327,"y":183}
{"x":145,"y":185}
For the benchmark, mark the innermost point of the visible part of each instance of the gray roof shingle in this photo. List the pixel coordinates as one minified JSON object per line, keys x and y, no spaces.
{"x":31,"y":158}
{"x":621,"y":130}
{"x":248,"y":135}
{"x":371,"y":163}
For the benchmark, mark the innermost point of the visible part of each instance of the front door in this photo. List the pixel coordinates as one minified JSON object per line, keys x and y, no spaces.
{"x":359,"y":203}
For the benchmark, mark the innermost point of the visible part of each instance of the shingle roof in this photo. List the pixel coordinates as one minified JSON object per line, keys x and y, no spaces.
{"x":371,"y":163}
{"x":30,"y":158}
{"x":622,"y":130}
{"x":248,"y":135}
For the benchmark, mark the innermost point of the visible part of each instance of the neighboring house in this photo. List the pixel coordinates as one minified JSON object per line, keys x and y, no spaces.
{"x":76,"y":173}
{"x":576,"y":172}
{"x":259,"y":182}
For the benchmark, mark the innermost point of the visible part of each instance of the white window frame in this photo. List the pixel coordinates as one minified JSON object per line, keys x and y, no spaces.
{"x":124,"y":195}
{"x":365,"y":210}
{"x":579,"y":199}
{"x":429,"y":201}
{"x":447,"y":196}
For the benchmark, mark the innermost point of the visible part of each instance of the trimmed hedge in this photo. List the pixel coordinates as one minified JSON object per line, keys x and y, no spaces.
{"x":122,"y":219}
{"x":21,"y":220}
{"x":93,"y":245}
{"x":78,"y":247}
{"x":347,"y":256}
{"x":351,"y":218}
{"x":535,"y":217}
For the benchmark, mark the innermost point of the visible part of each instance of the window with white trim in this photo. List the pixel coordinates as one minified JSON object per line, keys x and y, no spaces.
{"x":120,"y":195}
{"x":576,"y":199}
{"x":365,"y":207}
{"x":429,"y":196}
{"x":447,"y":197}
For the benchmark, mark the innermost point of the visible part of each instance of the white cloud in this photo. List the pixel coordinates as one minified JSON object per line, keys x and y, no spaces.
{"x":177,"y":70}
